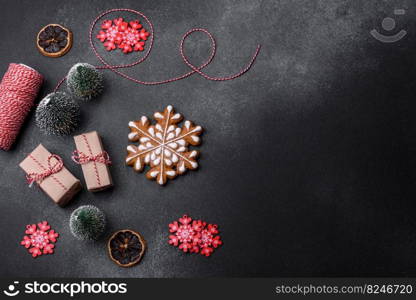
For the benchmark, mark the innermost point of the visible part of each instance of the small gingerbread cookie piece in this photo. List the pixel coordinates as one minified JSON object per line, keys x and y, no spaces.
{"x":163,"y":146}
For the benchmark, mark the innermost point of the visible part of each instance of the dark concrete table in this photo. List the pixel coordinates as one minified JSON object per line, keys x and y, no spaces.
{"x":308,"y":160}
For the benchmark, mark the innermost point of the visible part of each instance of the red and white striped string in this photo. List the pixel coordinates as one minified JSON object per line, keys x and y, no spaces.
{"x":20,"y":84}
{"x":149,"y":45}
{"x":47,"y":171}
{"x":18,"y":90}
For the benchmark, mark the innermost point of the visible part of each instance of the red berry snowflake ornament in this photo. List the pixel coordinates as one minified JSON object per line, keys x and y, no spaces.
{"x":39,"y":239}
{"x":194,"y":236}
{"x":127,"y":36}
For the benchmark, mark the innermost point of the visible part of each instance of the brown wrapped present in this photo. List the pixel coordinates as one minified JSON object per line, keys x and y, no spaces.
{"x":49,"y":172}
{"x":93,"y":160}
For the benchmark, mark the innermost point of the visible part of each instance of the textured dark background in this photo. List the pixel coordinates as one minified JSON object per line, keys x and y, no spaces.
{"x":307,"y":162}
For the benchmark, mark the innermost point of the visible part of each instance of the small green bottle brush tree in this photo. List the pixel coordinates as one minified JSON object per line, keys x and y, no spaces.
{"x":84,"y":81}
{"x":87,"y":222}
{"x":59,"y":112}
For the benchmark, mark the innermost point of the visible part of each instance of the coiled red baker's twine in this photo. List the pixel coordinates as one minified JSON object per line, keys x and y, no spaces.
{"x":149,"y":44}
{"x":18,"y":90}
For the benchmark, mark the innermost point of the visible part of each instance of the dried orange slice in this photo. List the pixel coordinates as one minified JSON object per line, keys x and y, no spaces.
{"x":126,"y":247}
{"x":54,"y":40}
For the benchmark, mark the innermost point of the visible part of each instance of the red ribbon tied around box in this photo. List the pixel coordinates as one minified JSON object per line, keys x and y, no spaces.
{"x":82,"y":158}
{"x":51,"y":169}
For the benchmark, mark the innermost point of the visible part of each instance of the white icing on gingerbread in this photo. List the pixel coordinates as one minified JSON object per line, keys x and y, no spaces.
{"x":163,"y":146}
{"x":170,"y":136}
{"x":158,"y":115}
{"x":132,"y":135}
{"x":137,"y":165}
{"x":182,"y":167}
{"x":171,"y":173}
{"x":176,"y":117}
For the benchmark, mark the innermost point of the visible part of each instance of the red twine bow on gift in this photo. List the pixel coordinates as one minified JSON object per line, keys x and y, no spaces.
{"x":82,"y":158}
{"x":52,"y":169}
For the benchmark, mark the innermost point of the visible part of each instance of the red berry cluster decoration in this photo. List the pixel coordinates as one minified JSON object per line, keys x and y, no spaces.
{"x":127,"y":36}
{"x":39,"y":240}
{"x":194,"y":236}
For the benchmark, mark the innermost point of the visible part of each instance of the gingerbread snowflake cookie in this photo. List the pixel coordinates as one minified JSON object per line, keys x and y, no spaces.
{"x":163,"y":146}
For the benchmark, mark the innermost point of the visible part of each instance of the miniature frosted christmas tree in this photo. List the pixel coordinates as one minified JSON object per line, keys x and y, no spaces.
{"x":57,"y":114}
{"x":84,"y":81}
{"x":87,"y":222}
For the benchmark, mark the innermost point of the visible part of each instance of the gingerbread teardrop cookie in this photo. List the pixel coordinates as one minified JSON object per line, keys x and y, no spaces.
{"x":163,"y":146}
{"x":54,"y":40}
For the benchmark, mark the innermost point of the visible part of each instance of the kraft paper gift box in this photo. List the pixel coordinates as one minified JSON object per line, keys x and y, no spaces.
{"x":96,"y":172}
{"x":61,"y":185}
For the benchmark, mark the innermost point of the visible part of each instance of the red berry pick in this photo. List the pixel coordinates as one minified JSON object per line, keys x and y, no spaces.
{"x":194,"y":236}
{"x":39,"y":239}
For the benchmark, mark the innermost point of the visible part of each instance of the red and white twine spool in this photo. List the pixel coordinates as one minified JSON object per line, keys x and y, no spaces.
{"x":18,"y":90}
